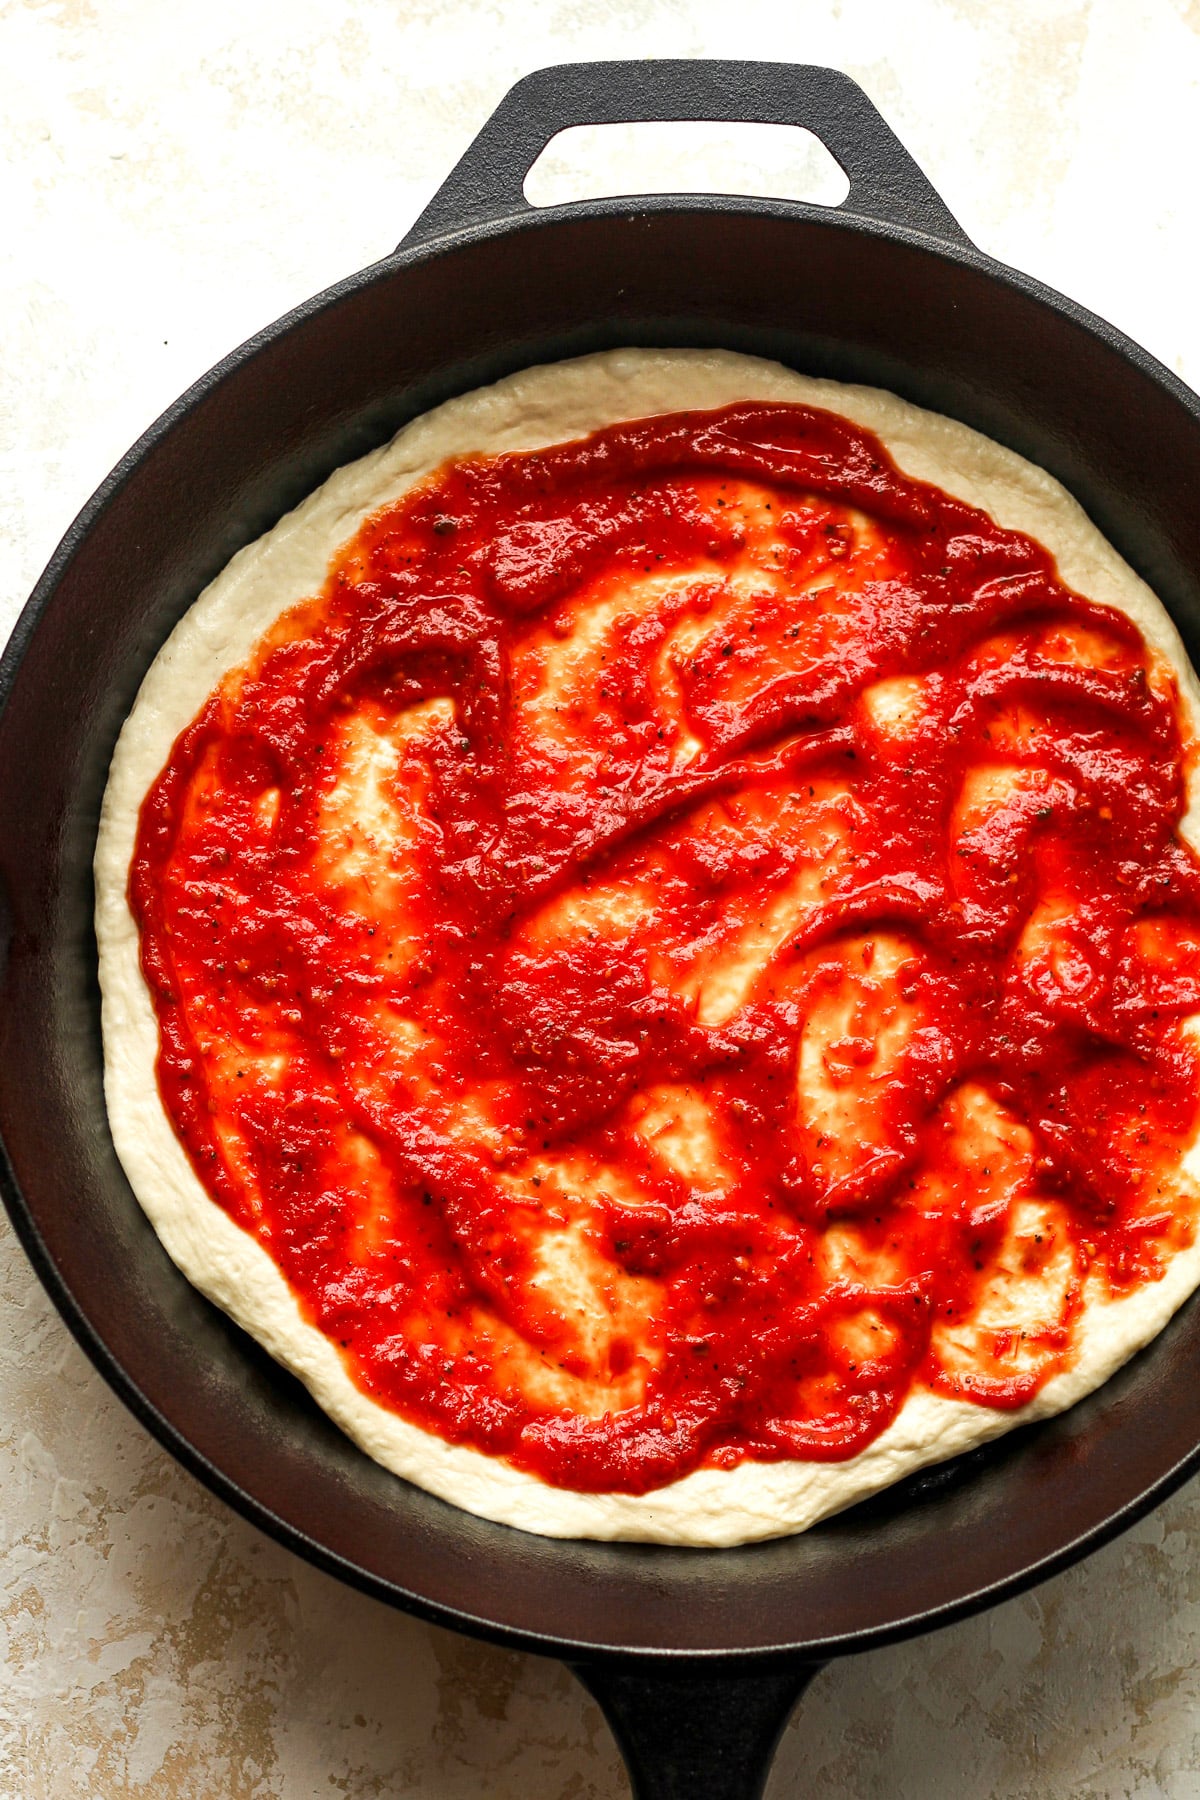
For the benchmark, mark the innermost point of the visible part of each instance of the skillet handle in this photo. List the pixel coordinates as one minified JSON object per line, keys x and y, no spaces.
{"x":694,"y":1730}
{"x":886,"y":186}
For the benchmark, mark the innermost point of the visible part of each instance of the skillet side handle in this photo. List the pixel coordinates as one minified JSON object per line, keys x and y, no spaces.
{"x":886,"y":186}
{"x":690,"y":1731}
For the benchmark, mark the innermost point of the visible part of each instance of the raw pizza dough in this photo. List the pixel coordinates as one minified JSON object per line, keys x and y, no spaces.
{"x":530,"y":410}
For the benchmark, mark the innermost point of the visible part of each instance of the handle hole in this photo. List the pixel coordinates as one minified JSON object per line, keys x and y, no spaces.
{"x":771,"y":162}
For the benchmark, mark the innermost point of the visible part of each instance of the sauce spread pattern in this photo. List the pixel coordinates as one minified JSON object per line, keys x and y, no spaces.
{"x":684,"y":940}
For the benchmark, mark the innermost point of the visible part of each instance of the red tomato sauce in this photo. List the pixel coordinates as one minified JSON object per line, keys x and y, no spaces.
{"x":680,"y":935}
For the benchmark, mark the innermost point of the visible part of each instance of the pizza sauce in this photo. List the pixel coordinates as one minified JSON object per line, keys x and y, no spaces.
{"x":682,"y":943}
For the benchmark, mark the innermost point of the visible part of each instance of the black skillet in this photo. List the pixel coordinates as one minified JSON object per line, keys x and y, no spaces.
{"x":696,"y":1657}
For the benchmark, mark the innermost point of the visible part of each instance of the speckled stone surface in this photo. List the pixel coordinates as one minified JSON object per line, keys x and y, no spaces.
{"x":171,"y":177}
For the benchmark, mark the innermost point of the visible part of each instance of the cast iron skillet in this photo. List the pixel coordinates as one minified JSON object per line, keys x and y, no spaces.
{"x":696,"y":1657}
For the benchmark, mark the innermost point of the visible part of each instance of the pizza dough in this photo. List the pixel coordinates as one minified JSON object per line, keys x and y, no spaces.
{"x":535,"y":408}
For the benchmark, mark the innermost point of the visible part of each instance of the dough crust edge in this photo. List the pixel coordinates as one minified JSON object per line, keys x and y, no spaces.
{"x":531,"y":409}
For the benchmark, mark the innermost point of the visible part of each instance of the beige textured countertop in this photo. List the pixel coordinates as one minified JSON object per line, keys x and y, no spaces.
{"x":172,"y":177}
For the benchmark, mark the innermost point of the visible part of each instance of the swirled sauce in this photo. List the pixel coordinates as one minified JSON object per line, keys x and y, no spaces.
{"x":683,"y":941}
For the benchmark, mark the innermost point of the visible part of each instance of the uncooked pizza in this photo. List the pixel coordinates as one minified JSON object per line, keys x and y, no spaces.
{"x":650,"y":940}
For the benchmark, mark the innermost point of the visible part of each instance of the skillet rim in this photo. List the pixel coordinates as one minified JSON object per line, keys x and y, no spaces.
{"x":409,"y":254}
